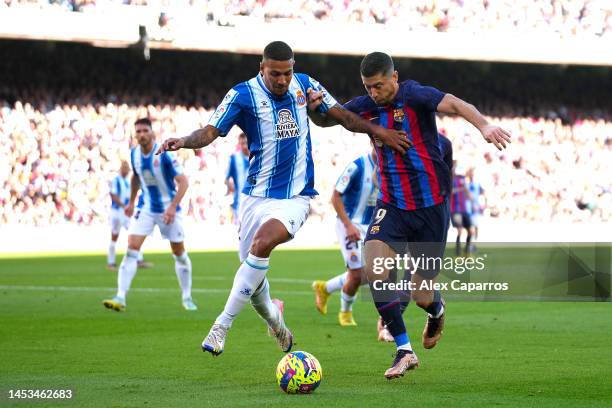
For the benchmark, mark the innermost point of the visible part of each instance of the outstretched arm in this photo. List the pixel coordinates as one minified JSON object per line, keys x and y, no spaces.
{"x":395,"y":139}
{"x":491,"y":133}
{"x":198,"y":139}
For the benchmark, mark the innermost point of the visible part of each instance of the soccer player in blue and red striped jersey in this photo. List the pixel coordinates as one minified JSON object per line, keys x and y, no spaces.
{"x":412,"y":213}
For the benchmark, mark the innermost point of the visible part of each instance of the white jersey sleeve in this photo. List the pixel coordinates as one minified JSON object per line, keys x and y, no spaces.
{"x":346,"y":178}
{"x":226,"y":114}
{"x":328,"y":100}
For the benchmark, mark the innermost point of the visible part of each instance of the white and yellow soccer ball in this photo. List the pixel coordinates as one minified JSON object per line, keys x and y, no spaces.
{"x":299,"y":373}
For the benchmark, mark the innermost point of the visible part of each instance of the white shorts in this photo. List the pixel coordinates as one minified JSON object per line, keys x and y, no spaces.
{"x":143,"y":223}
{"x":351,"y":250}
{"x":118,"y":220}
{"x":255,"y":211}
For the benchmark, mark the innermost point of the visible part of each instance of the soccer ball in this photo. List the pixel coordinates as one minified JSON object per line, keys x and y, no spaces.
{"x":299,"y":373}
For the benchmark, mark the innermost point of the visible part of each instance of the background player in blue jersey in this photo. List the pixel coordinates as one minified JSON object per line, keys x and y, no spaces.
{"x":354,"y":199}
{"x":120,"y":197}
{"x":163,"y":185}
{"x":272,"y":109}
{"x":237,"y":171}
{"x":412,"y":212}
{"x":461,"y":210}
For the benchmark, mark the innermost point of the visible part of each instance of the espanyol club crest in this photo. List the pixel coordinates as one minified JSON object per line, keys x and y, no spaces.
{"x":156,"y":162}
{"x":301,"y":99}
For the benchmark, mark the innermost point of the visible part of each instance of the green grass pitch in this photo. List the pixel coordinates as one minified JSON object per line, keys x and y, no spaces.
{"x":55,"y":334}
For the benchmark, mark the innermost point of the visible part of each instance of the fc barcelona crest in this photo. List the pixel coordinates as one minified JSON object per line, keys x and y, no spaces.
{"x":398,"y":115}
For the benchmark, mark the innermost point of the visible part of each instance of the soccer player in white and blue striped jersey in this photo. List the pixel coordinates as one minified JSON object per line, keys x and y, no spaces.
{"x":163,"y":186}
{"x":272,"y":109}
{"x":120,"y":197}
{"x":237,"y":173}
{"x":354,"y":199}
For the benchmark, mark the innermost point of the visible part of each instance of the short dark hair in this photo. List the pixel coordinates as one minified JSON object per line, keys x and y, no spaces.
{"x":278,"y":51}
{"x":144,"y":121}
{"x":376,"y":63}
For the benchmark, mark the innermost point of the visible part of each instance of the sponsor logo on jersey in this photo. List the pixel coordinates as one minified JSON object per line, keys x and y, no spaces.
{"x":148,"y":177}
{"x":286,"y":127}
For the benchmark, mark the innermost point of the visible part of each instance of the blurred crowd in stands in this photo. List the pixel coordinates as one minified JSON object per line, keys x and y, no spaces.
{"x":64,"y":127}
{"x":560,"y":17}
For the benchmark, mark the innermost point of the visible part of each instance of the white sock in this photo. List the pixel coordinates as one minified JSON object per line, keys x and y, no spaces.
{"x":440,"y":313}
{"x":346,"y":302}
{"x":127,"y":271}
{"x":406,"y":346}
{"x":182,"y":266}
{"x":250,"y":274}
{"x":336,"y":283}
{"x":262,"y":303}
{"x":110,"y":258}
{"x":140,"y":256}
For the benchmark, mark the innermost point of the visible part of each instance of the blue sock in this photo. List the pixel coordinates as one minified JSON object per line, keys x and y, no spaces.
{"x":401,"y":339}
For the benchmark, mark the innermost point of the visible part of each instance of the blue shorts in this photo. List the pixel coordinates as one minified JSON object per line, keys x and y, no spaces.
{"x":461,"y":220}
{"x":420,"y":232}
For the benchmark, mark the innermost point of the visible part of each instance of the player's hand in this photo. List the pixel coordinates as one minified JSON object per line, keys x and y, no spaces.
{"x":496,"y":135}
{"x":395,"y":139}
{"x":315,"y":99}
{"x":171,"y":145}
{"x":129,"y":209}
{"x":169,"y":214}
{"x":352,"y":233}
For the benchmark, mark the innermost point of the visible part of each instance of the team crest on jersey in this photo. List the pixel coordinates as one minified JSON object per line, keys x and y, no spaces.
{"x":156,"y":162}
{"x":301,"y":99}
{"x":375,"y":229}
{"x":286,"y":127}
{"x":398,"y":115}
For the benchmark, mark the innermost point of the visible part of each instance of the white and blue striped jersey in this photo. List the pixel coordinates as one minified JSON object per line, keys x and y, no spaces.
{"x":278,"y":134}
{"x":120,"y":186}
{"x":358,"y":190}
{"x":237,"y":171}
{"x":156,"y":174}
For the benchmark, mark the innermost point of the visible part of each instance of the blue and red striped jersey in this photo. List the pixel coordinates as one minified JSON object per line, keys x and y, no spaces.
{"x":460,"y":199}
{"x":419,"y":178}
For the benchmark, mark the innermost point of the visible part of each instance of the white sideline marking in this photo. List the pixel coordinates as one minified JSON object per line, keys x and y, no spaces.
{"x":228,"y":279}
{"x":109,"y":289}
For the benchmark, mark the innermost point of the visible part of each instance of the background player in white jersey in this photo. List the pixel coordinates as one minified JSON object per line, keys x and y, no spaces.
{"x":237,"y":173}
{"x":354,"y":199}
{"x":478,"y":203}
{"x":272,"y":109}
{"x":120,"y":197}
{"x":163,"y":185}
